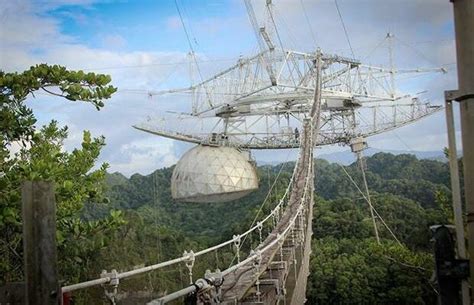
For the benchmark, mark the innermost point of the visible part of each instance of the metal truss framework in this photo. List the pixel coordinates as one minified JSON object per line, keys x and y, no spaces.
{"x":258,"y":102}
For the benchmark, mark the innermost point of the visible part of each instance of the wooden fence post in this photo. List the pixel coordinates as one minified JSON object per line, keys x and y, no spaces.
{"x":39,"y":243}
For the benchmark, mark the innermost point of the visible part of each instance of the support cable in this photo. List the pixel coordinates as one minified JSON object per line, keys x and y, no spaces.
{"x":259,"y":224}
{"x":346,"y":33}
{"x":192,"y":50}
{"x":157,"y":64}
{"x":279,"y":40}
{"x":344,"y":27}
{"x":362,"y":169}
{"x":371,"y":206}
{"x":308,"y":22}
{"x":369,"y":54}
{"x":417,"y":51}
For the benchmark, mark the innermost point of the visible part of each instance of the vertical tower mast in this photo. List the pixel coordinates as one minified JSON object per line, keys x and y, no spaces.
{"x":390,"y":37}
{"x":191,"y":82}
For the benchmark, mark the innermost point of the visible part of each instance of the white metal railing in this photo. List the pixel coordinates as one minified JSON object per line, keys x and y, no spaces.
{"x":186,"y":256}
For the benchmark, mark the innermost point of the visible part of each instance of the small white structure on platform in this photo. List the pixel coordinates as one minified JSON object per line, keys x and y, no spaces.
{"x":213,"y":174}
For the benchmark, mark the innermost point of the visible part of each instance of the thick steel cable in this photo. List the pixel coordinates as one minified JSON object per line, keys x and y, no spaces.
{"x":192,"y":50}
{"x":391,"y":232}
{"x":346,"y":33}
{"x":314,"y":115}
{"x":268,"y":196}
{"x":192,"y":288}
{"x":344,"y":27}
{"x":364,"y":179}
{"x":370,"y":205}
{"x":308,"y":22}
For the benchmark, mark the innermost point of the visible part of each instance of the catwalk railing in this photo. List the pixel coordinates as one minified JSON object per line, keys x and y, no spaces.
{"x":283,"y":216}
{"x":189,"y":256}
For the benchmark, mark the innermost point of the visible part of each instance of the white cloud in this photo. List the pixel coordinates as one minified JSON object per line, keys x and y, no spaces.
{"x":173,"y":23}
{"x":23,"y":32}
{"x":113,"y":41}
{"x":145,"y":155}
{"x":22,"y":28}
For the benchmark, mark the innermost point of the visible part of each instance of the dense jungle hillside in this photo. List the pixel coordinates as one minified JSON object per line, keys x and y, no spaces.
{"x":347,"y":265}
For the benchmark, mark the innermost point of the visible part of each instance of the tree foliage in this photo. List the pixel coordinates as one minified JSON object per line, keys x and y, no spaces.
{"x":359,"y":271}
{"x":347,"y":265}
{"x":41,"y":156}
{"x":17,"y":120}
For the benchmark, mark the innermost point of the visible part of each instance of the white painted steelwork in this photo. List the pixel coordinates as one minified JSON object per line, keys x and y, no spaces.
{"x":256,"y":103}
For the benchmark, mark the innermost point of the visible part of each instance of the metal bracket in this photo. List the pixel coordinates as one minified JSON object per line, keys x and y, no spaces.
{"x":110,"y":289}
{"x":190,"y":258}
{"x":216,"y":279}
{"x":208,"y":289}
{"x":236,"y":240}
{"x":456,"y":95}
{"x":260,"y":228}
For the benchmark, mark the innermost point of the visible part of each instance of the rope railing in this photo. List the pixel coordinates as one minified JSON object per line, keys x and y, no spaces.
{"x":187,"y":255}
{"x":201,"y":283}
{"x":249,"y":259}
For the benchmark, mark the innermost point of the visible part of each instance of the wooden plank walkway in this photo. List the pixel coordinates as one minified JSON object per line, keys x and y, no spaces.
{"x":239,"y":286}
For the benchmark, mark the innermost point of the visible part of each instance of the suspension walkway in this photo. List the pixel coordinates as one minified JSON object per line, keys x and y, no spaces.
{"x":279,"y":267}
{"x":275,"y":271}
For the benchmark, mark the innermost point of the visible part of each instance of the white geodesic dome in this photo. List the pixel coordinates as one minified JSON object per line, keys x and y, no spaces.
{"x":213,"y":174}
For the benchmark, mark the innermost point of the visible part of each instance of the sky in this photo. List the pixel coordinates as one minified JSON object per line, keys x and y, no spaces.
{"x":143,"y":46}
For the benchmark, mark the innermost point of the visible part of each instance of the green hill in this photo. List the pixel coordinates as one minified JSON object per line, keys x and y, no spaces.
{"x":347,"y":265}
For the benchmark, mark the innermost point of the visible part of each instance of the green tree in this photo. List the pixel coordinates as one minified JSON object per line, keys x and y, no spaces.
{"x":347,"y":266}
{"x":41,"y":157}
{"x":17,"y":120}
{"x":359,"y":271}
